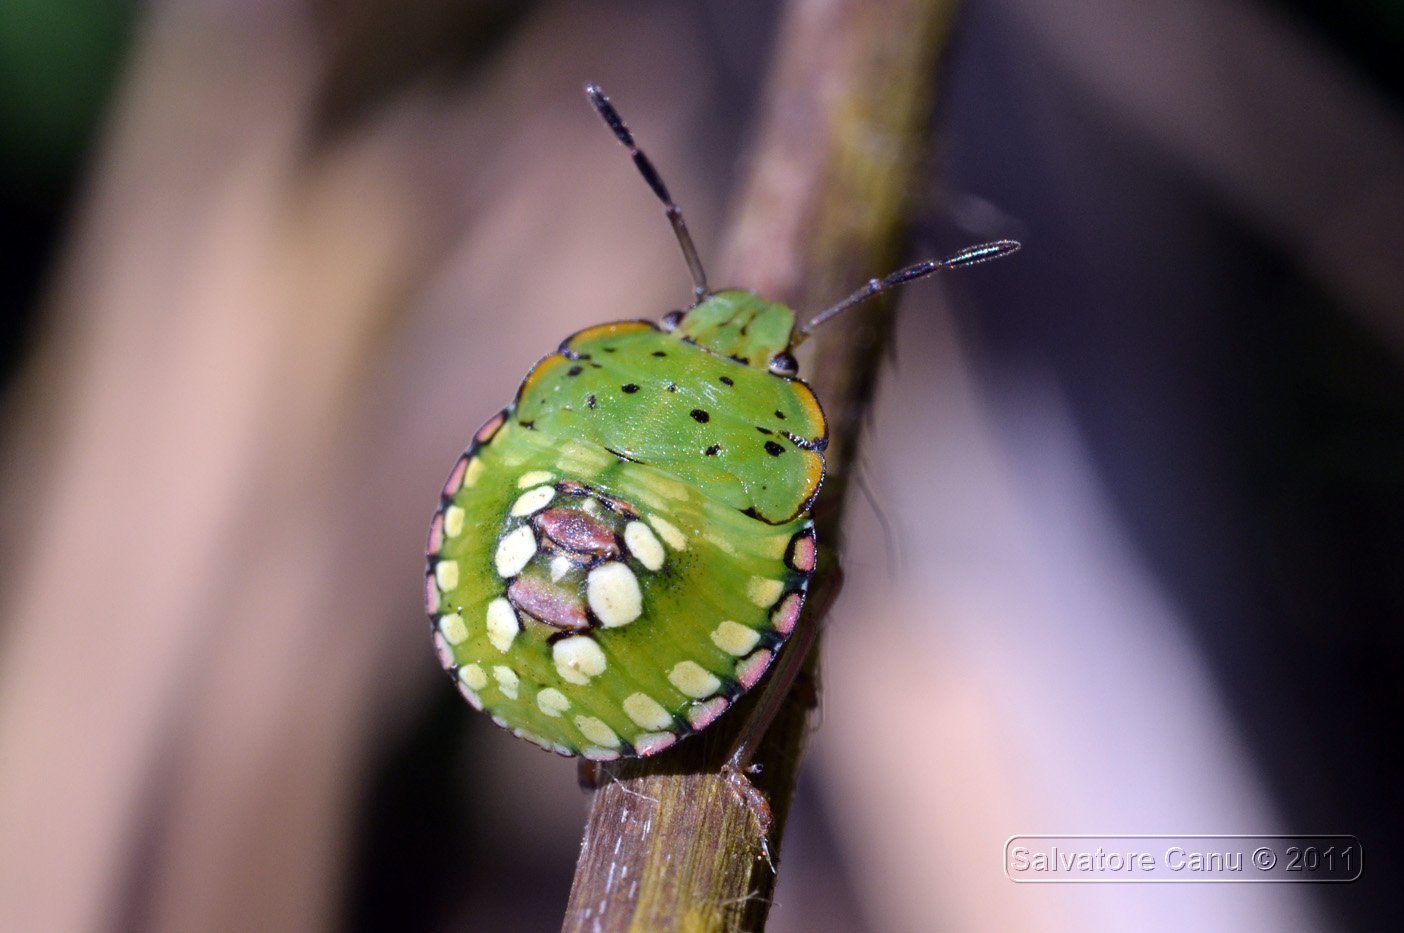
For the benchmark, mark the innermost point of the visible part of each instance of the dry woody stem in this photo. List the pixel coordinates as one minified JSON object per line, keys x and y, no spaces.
{"x":670,"y":843}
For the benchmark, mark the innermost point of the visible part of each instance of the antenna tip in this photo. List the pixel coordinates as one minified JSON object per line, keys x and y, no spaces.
{"x":982,"y":253}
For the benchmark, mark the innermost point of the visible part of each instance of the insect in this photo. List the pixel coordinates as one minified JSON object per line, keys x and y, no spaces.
{"x":623,"y":550}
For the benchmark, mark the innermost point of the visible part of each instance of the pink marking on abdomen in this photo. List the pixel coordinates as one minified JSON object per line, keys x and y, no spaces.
{"x":456,"y":477}
{"x":702,"y":715}
{"x":803,"y":556}
{"x":436,"y":534}
{"x":785,"y":617}
{"x":750,"y":670}
{"x":656,"y":744}
{"x":486,"y":432}
{"x":444,"y":651}
{"x":431,"y":594}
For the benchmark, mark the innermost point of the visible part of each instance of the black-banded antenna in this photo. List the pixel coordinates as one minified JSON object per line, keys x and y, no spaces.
{"x":969,"y":256}
{"x":655,"y":181}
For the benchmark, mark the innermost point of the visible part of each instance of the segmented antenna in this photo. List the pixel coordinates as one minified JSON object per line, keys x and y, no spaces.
{"x":655,"y":181}
{"x":969,"y":256}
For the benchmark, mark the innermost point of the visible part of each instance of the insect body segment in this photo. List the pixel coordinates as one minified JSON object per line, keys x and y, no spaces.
{"x":600,"y":606}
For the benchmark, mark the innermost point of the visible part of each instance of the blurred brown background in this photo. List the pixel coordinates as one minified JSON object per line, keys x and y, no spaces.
{"x":1132,"y":561}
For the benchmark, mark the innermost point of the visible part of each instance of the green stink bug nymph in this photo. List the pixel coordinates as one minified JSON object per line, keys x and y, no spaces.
{"x":622,"y":551}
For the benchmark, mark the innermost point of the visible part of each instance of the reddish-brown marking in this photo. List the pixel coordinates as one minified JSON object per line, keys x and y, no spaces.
{"x":573,"y":530}
{"x":784,"y":618}
{"x":802,"y":557}
{"x":554,"y":605}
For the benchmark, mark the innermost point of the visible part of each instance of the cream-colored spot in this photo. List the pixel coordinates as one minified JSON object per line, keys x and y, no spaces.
{"x":534,"y":739}
{"x":514,"y":551}
{"x":596,"y":731}
{"x":613,"y":593}
{"x":578,"y":659}
{"x":560,"y":566}
{"x":646,"y":711}
{"x":734,"y":638}
{"x":453,"y":521}
{"x":453,"y":628}
{"x":552,"y":702}
{"x":592,"y":506}
{"x":507,"y":680}
{"x":722,"y":543}
{"x":502,"y":624}
{"x":582,"y":460}
{"x":644,"y":545}
{"x":533,"y":500}
{"x":534,"y":478}
{"x":693,"y":679}
{"x":595,"y":753}
{"x":475,"y":469}
{"x":774,"y":547}
{"x":473,"y":676}
{"x":446,"y":574}
{"x":669,"y":487}
{"x":764,"y":592}
{"x":669,"y":532}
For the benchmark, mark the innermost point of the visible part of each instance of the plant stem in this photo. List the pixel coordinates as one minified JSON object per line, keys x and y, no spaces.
{"x":670,"y":844}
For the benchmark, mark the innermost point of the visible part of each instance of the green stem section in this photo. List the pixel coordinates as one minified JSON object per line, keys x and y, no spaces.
{"x":670,"y":843}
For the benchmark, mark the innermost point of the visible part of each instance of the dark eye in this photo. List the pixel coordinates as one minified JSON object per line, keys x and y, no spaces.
{"x":784,"y":364}
{"x":670,"y":320}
